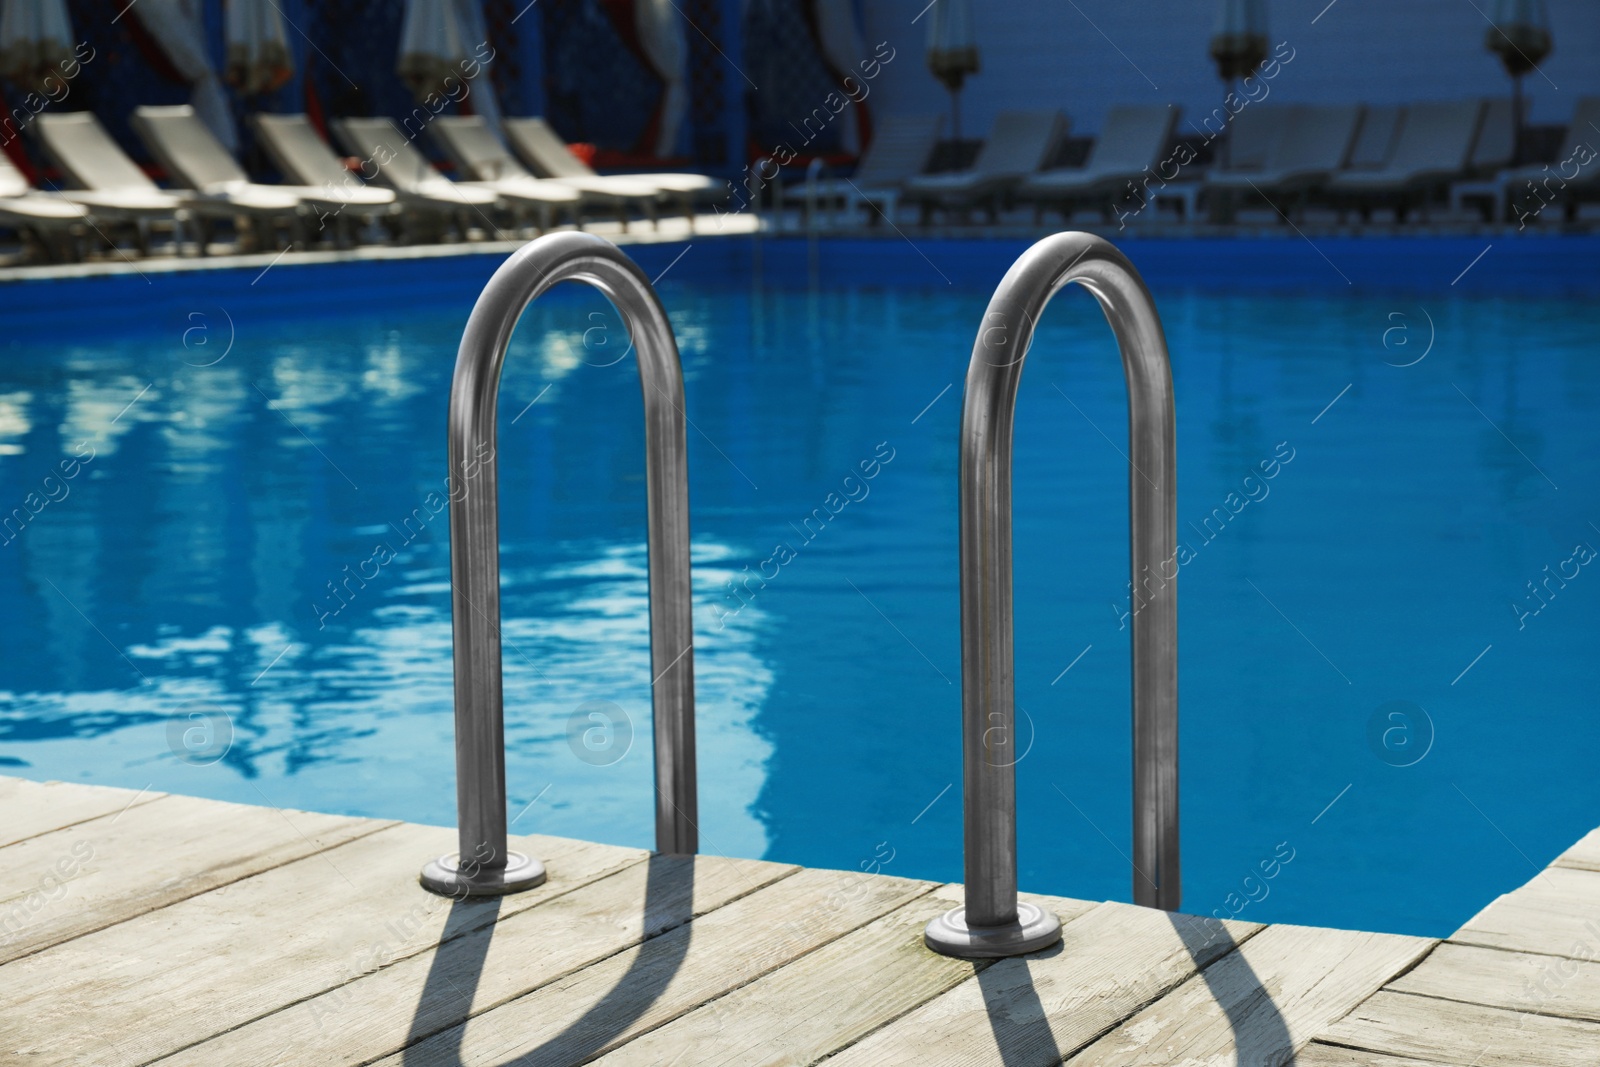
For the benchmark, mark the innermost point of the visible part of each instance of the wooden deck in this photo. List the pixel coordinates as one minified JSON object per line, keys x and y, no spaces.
{"x":148,"y":928}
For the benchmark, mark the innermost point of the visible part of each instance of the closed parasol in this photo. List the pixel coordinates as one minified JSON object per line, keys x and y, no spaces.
{"x":445,"y":50}
{"x":35,"y":41}
{"x":258,"y":47}
{"x":1238,"y":44}
{"x":1239,"y":41}
{"x":1520,"y":36}
{"x":952,"y":51}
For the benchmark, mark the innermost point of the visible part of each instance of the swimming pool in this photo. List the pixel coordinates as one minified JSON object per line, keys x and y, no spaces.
{"x":230,"y":578}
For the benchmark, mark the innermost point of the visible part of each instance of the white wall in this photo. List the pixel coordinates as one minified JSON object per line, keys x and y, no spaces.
{"x":1038,"y":53}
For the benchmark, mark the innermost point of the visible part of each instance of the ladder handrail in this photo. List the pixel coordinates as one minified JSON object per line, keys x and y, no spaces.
{"x":484,"y":864}
{"x":993,"y":923}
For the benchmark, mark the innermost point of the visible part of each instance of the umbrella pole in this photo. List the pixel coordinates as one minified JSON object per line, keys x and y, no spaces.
{"x":955,"y":116}
{"x":1516,"y":120}
{"x":1224,"y":149}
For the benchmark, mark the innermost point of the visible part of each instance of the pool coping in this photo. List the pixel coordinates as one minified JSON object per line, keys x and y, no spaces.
{"x":264,"y":923}
{"x":744,"y":225}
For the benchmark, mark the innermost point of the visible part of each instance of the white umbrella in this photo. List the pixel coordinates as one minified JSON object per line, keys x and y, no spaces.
{"x":1520,"y":36}
{"x":952,"y":52}
{"x":1239,"y":39}
{"x":258,"y":47}
{"x":35,"y":40}
{"x":1238,"y":44}
{"x":440,"y":40}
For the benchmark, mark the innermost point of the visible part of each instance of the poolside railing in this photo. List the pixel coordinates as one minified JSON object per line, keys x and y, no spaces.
{"x":484,"y":865}
{"x":993,"y":922}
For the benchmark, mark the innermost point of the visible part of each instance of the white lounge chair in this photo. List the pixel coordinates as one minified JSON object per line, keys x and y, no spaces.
{"x":1315,"y":142}
{"x":1495,"y":146}
{"x":483,"y":157}
{"x":1251,"y":147}
{"x":300,"y":153}
{"x":52,"y":221}
{"x":1492,"y":153}
{"x":1432,"y":149}
{"x":113,"y":187}
{"x":1127,"y":152}
{"x":104,"y":178}
{"x":1254,"y":136}
{"x":194,"y":157}
{"x":174,"y":141}
{"x":1522,"y":193}
{"x":548,"y":156}
{"x":899,"y":151}
{"x":402,"y":166}
{"x":1376,"y":136}
{"x":1019,"y":143}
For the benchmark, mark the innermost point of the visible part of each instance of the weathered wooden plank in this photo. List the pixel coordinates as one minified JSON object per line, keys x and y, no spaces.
{"x":1557,"y":910}
{"x":69,"y":882}
{"x":1259,"y":1004}
{"x":1465,"y":1035}
{"x":606,"y":1005}
{"x":1549,"y":985}
{"x":1317,"y":1054}
{"x":820,"y":1003}
{"x":383,"y":1011}
{"x":1038,"y":1009}
{"x":1584,"y":855}
{"x":183,"y":973}
{"x":29,"y":808}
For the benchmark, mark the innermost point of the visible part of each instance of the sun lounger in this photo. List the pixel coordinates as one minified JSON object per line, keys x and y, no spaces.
{"x":402,"y":166}
{"x":548,"y":156}
{"x":1492,"y":152}
{"x":1375,"y":138}
{"x":901,"y":145}
{"x":1248,"y":151}
{"x":1433,"y":147}
{"x":49,"y":219}
{"x":1494,"y":149}
{"x":1019,"y":143}
{"x":1315,"y":142}
{"x":300,"y":153}
{"x":106,"y":180}
{"x":1254,"y":136}
{"x":194,"y":157}
{"x":1127,"y":151}
{"x":480,"y":155}
{"x":179,"y":141}
{"x":1521,"y":194}
{"x":114,"y":189}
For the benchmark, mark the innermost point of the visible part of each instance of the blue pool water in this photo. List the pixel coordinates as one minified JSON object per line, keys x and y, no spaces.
{"x":1366,"y":714}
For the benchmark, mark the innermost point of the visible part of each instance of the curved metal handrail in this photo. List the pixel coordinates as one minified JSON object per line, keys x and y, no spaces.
{"x":993,"y":923}
{"x":484,"y":865}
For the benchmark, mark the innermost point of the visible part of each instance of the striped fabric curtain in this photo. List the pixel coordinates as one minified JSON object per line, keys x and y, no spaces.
{"x":661,"y":37}
{"x":840,"y":41}
{"x":177,"y":29}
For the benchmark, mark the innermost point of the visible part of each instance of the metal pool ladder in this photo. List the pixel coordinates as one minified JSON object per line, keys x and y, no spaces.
{"x":484,"y":866}
{"x":994,"y":922}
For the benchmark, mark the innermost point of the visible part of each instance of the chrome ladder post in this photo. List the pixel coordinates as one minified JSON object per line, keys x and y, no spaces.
{"x":485,"y":866}
{"x":994,"y":922}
